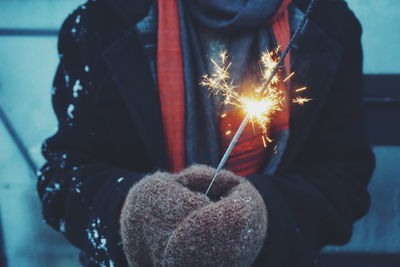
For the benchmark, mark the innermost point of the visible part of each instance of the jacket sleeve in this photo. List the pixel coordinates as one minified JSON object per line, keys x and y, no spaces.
{"x":324,"y":192}
{"x":82,"y":185}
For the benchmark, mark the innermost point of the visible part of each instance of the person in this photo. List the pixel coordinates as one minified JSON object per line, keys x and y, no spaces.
{"x":139,"y":137}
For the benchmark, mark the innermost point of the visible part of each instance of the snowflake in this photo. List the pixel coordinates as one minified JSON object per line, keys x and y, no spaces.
{"x":66,"y":79}
{"x":62,"y":226}
{"x":77,"y":186}
{"x":98,"y":240}
{"x":53,"y":188}
{"x":70,"y":109}
{"x":77,"y":87}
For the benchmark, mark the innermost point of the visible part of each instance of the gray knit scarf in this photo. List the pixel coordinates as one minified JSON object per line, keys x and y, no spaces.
{"x":243,"y":27}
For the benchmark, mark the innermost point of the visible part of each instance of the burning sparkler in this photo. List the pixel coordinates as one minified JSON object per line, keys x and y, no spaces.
{"x":267,"y":98}
{"x":259,"y":108}
{"x":261,"y":105}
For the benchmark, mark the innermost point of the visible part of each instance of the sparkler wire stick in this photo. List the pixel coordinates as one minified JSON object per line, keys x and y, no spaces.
{"x":263,"y":90}
{"x":229,"y":150}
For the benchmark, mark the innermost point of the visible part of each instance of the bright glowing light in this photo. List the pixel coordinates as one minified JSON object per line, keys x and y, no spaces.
{"x":301,"y":89}
{"x":288,"y":77}
{"x":262,"y":103}
{"x":301,"y":100}
{"x":257,"y":107}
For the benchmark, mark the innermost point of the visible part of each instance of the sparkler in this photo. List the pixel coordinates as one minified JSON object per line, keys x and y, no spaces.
{"x":260,"y":106}
{"x":267,"y":100}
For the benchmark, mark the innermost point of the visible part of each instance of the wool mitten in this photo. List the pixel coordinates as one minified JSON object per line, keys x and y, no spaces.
{"x":152,"y":210}
{"x":167,"y":221}
{"x":229,"y":231}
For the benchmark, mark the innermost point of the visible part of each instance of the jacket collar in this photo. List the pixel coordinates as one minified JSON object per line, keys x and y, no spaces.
{"x":130,"y":71}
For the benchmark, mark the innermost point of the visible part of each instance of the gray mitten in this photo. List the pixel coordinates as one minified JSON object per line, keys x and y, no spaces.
{"x":167,"y":221}
{"x":229,"y":231}
{"x":152,"y":210}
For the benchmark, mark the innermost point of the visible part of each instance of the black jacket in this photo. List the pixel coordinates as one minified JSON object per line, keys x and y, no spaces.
{"x":110,"y":135}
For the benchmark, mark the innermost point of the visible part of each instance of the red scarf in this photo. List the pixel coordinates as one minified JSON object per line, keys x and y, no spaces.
{"x":248,"y":156}
{"x":171,"y":82}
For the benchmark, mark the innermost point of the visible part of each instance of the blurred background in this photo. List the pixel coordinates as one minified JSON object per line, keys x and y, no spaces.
{"x":28,"y":59}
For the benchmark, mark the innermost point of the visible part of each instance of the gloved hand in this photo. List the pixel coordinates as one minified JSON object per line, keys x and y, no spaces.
{"x":154,"y":207}
{"x":167,"y":220}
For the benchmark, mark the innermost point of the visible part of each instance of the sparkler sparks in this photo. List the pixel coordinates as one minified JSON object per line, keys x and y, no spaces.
{"x":288,"y":77}
{"x":301,"y":89}
{"x":301,"y":100}
{"x":259,"y":105}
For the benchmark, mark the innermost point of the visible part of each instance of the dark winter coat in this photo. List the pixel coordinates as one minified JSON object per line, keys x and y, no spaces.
{"x":110,"y":135}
